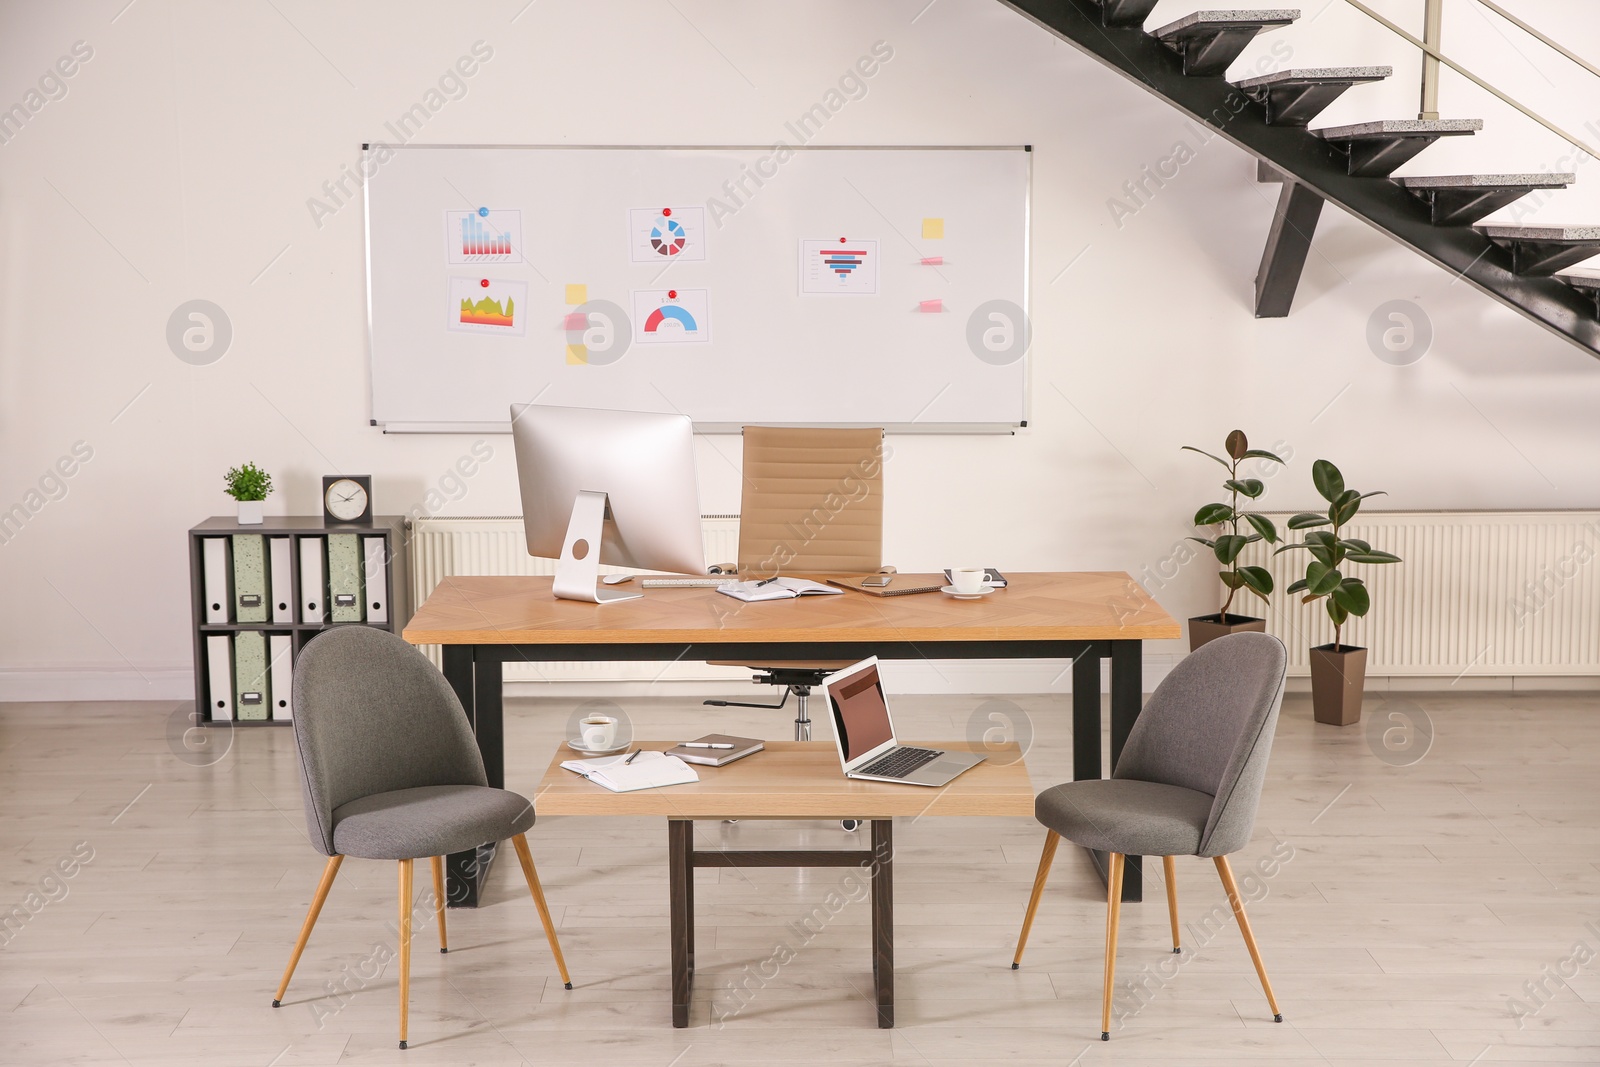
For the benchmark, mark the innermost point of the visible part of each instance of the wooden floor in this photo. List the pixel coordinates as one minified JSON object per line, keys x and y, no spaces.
{"x":1408,"y":906}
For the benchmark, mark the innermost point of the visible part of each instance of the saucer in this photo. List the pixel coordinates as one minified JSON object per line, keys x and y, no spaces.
{"x":985,"y":591}
{"x":577,"y":744}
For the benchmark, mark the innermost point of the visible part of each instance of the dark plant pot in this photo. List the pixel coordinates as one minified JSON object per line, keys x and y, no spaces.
{"x":1203,"y":628}
{"x":1338,"y":678}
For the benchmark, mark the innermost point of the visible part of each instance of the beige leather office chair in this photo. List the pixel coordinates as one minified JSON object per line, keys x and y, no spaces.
{"x":811,"y":507}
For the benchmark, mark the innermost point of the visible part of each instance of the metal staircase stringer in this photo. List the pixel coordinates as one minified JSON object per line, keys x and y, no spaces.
{"x":1317,"y":166}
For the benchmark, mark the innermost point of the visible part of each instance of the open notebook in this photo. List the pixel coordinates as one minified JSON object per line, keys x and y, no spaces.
{"x":647,"y":771}
{"x":775,"y":589}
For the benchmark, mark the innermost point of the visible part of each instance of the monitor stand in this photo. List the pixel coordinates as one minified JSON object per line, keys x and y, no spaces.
{"x":578,"y":569}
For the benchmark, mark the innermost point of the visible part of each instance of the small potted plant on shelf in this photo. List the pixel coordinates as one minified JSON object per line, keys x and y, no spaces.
{"x":1338,"y":670}
{"x":249,"y":485}
{"x":1229,"y":543}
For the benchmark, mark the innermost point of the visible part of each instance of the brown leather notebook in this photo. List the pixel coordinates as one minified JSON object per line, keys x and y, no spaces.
{"x":899,"y":584}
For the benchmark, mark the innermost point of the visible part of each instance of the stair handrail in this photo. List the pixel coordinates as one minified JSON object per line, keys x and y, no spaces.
{"x":1541,"y":38}
{"x":1434,"y":52}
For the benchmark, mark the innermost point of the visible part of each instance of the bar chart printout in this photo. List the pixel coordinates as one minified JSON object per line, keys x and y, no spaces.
{"x":485,"y":235}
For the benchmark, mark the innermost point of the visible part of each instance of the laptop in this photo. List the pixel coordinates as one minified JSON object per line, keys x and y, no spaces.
{"x":864,"y":734}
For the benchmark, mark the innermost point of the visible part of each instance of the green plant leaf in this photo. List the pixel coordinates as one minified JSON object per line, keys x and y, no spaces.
{"x":1229,"y":546}
{"x":1225,"y":464}
{"x":1353,"y":597}
{"x":1211,"y":514}
{"x":1337,"y":612}
{"x":1257,"y":579}
{"x":1289,"y":548}
{"x":1231,"y":579}
{"x":1296,"y":587}
{"x":1321,"y":554}
{"x":1306,"y":519}
{"x":1237,"y":445}
{"x":1355,"y":544}
{"x":1321,"y":579}
{"x":1374,"y":556}
{"x":1204,"y":541}
{"x":1326,"y":477}
{"x":1324,"y":538}
{"x":1250,"y":487}
{"x":1263,"y":527}
{"x":1344,"y":509}
{"x":1260,"y":453}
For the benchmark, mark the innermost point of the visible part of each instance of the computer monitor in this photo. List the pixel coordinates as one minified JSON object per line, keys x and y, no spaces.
{"x":602,"y":486}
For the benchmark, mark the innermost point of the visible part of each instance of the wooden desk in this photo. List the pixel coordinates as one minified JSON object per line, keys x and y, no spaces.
{"x":1081,"y":616}
{"x":793,"y":780}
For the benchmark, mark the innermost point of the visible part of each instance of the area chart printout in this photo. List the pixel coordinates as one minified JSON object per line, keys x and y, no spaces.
{"x":839,"y":265}
{"x":488,"y":306}
{"x":483,"y":236}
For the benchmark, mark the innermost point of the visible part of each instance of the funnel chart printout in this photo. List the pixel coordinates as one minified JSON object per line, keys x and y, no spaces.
{"x":838,"y":266}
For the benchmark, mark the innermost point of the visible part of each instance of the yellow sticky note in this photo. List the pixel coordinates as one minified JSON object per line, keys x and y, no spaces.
{"x":577,"y":294}
{"x":577,"y":354}
{"x":932,"y":228}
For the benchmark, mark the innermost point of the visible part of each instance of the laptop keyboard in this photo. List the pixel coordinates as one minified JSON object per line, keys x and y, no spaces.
{"x":900,"y":762}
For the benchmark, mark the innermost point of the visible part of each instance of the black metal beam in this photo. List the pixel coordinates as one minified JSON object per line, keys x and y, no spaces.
{"x":1146,"y":61}
{"x":1288,"y":244}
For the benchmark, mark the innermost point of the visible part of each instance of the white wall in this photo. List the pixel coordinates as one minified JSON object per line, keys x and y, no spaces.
{"x":180,"y":161}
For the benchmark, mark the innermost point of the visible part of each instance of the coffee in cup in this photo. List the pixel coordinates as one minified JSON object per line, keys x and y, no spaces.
{"x":969,"y":580}
{"x":598,"y":731}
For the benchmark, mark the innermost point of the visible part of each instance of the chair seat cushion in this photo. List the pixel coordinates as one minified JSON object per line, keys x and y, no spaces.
{"x":433,"y":820}
{"x":1125,"y":816}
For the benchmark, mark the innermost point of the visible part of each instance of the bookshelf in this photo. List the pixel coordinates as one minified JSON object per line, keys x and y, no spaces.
{"x":296,"y":624}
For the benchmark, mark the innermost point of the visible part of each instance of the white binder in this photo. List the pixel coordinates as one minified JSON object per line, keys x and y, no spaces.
{"x":313,"y":586}
{"x":214,"y":571}
{"x":377,"y":567}
{"x":219,"y":663}
{"x":280,"y":674}
{"x":280,"y":579}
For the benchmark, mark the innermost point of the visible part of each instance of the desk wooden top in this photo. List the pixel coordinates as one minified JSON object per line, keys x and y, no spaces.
{"x":797,"y":780}
{"x":1070,"y":606}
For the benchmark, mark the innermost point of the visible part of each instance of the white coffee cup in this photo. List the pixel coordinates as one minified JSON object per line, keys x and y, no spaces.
{"x":969,"y":580}
{"x":598,"y":731}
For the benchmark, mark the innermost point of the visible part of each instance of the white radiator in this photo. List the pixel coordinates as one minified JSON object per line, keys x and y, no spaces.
{"x":441,"y":547}
{"x":1478,"y":594}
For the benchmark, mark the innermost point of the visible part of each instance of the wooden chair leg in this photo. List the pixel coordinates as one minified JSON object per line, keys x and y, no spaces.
{"x":438,"y":900}
{"x":405,"y":946}
{"x":1249,"y":936}
{"x":1047,"y":857}
{"x":520,"y":841}
{"x":317,"y":901}
{"x":1113,"y":917}
{"x":1170,"y":872}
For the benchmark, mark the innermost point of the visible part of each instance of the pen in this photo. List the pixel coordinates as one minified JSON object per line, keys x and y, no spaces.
{"x":703,"y":744}
{"x":762,"y":582}
{"x":634,"y":753}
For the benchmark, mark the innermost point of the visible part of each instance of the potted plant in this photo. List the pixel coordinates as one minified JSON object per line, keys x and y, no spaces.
{"x":249,"y":485}
{"x":1229,"y":542}
{"x":1338,"y":670}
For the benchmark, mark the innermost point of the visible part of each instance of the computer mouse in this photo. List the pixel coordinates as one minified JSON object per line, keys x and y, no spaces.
{"x":616,"y":579}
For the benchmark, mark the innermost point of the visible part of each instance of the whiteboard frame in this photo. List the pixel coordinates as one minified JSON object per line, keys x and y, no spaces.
{"x":718,"y":427}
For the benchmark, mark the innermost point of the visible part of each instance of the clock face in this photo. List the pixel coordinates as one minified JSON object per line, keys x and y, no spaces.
{"x":345,"y":500}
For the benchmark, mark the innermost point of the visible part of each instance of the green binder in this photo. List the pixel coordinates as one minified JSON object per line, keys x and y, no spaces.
{"x":251,"y":697}
{"x":249,"y":578}
{"x":344,"y":577}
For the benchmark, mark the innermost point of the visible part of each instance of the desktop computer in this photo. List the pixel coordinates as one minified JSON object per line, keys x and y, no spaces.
{"x":614,"y":487}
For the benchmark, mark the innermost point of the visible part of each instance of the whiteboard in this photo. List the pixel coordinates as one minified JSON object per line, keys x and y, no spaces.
{"x":737,"y":285}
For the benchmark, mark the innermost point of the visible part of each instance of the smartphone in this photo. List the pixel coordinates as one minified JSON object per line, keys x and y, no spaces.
{"x":877,"y":581}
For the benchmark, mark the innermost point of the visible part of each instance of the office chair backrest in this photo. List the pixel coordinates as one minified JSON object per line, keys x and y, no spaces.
{"x":1209,"y":727}
{"x":372,"y":715}
{"x":812,"y":502}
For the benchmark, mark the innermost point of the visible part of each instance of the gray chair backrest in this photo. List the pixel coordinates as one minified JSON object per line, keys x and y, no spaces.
{"x":372,"y":715}
{"x":1209,"y":727}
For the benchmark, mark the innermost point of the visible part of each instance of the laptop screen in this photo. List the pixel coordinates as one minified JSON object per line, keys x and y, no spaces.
{"x":860,"y":713}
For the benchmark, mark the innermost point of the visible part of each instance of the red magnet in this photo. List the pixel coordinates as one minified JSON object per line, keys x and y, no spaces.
{"x":666,"y":212}
{"x":672,"y":294}
{"x":484,"y":283}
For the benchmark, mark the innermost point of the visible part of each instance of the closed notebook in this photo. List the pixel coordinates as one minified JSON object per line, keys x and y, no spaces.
{"x":718,"y":757}
{"x":648,"y":770}
{"x":899,"y":584}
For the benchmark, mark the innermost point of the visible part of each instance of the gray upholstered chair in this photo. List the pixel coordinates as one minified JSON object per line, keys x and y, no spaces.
{"x":389,"y":770}
{"x":1187,"y":784}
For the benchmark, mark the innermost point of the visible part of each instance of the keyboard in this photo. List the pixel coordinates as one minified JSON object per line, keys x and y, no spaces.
{"x":900,"y":762}
{"x":687,"y":583}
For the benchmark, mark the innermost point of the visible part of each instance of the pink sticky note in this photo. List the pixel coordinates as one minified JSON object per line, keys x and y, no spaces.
{"x":931,"y":305}
{"x":577,"y":320}
{"x":933,"y":261}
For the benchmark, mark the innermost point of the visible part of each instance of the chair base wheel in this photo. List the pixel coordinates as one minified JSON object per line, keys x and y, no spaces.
{"x":850,"y":826}
{"x":1014,"y":966}
{"x":1277,"y":1018}
{"x":1105,"y":1036}
{"x":275,"y":1004}
{"x":569,"y":986}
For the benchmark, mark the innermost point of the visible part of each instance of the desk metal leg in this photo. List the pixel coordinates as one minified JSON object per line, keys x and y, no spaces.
{"x":1086,"y":716}
{"x":680,"y":879}
{"x":883,"y":919}
{"x":476,"y":681}
{"x":1127,"y":699}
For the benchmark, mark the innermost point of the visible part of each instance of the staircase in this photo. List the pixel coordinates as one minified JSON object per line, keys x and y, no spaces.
{"x":1184,"y":63}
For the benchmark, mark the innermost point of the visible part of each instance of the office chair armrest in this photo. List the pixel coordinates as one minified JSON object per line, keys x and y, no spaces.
{"x":724,"y":568}
{"x":886,"y":569}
